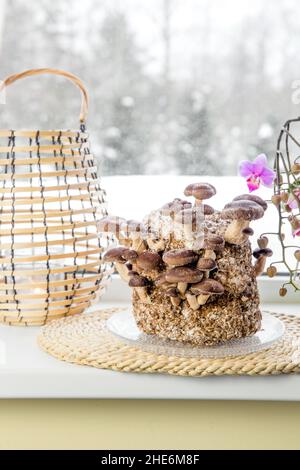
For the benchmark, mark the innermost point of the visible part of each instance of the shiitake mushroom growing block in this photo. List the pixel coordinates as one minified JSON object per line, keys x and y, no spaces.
{"x":192,"y":269}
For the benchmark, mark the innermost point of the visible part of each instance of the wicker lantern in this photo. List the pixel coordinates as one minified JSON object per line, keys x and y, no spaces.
{"x":50,"y":201}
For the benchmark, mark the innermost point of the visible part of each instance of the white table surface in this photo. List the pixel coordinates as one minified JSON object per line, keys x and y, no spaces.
{"x":28,"y":372}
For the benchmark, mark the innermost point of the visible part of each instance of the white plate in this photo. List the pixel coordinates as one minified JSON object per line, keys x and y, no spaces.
{"x":123,"y":325}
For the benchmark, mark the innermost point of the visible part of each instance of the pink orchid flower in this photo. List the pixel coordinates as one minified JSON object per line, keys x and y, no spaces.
{"x":295,"y":223}
{"x":257,"y":172}
{"x":296,"y":233}
{"x":293,"y":199}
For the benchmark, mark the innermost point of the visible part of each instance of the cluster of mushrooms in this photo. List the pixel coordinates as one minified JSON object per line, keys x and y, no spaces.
{"x":145,"y":259}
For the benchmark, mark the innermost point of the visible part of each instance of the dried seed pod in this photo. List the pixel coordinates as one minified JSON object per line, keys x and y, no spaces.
{"x":282,"y":292}
{"x":276,"y":200}
{"x":287,"y":208}
{"x":271,"y":271}
{"x":263,"y":242}
{"x":284,"y":196}
{"x":297,"y":255}
{"x":296,"y":168}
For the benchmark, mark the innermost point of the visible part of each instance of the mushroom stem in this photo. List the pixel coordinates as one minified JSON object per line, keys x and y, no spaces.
{"x":210,"y":254}
{"x":123,"y":271}
{"x":202,"y":299}
{"x":198,"y":202}
{"x":138,"y":245}
{"x":124,"y":241}
{"x":234,"y":233}
{"x":259,"y":265}
{"x":192,"y":301}
{"x":143,"y":294}
{"x":182,"y":287}
{"x":175,"y":301}
{"x":156,"y":245}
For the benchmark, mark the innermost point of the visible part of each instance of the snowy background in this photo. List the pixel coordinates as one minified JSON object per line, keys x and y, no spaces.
{"x":177,"y":86}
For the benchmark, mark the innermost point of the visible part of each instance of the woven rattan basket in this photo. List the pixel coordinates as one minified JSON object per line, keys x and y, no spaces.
{"x":50,"y":200}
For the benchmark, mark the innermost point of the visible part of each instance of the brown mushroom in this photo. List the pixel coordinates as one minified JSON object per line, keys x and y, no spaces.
{"x":129,"y":255}
{"x":161,"y":280}
{"x":180,"y":257}
{"x":140,"y":284}
{"x":173,"y":293}
{"x":205,"y":289}
{"x":190,"y":222}
{"x":177,"y":205}
{"x":200,"y":191}
{"x":240,"y":213}
{"x":113,"y":224}
{"x":206,"y":265}
{"x":149,"y":261}
{"x":208,"y":210}
{"x":116,"y":255}
{"x":183,"y":276}
{"x":213,"y":244}
{"x":252,"y":197}
{"x":134,"y":230}
{"x":192,"y":301}
{"x":261,"y":255}
{"x":258,"y":252}
{"x":248,"y":231}
{"x":155,"y":243}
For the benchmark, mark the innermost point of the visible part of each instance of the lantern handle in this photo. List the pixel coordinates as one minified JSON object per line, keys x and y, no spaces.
{"x":29,"y":73}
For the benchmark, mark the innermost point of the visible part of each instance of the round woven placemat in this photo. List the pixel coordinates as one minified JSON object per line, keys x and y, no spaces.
{"x":84,"y":339}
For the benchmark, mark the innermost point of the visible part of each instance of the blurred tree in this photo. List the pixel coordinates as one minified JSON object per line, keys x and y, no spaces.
{"x":194,"y":154}
{"x":121,"y":90}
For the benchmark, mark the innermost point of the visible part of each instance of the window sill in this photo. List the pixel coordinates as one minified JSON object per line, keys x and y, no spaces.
{"x":28,"y":372}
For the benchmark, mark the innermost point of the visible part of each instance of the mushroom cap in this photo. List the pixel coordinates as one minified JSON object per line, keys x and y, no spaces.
{"x":214,"y":242}
{"x":243,"y":210}
{"x":171,"y":208}
{"x":184,"y":274}
{"x":149,"y":260}
{"x":110,"y":224}
{"x":130,"y":255}
{"x":116,"y":254}
{"x":208,"y":286}
{"x":161,"y":280}
{"x":206,"y":264}
{"x":133,"y":273}
{"x":180,"y":257}
{"x":253,"y":198}
{"x":200,"y":190}
{"x":172,"y":292}
{"x":258,"y":252}
{"x":208,"y":210}
{"x":132,"y":226}
{"x":248,"y":231}
{"x":138,"y":281}
{"x":193,"y":217}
